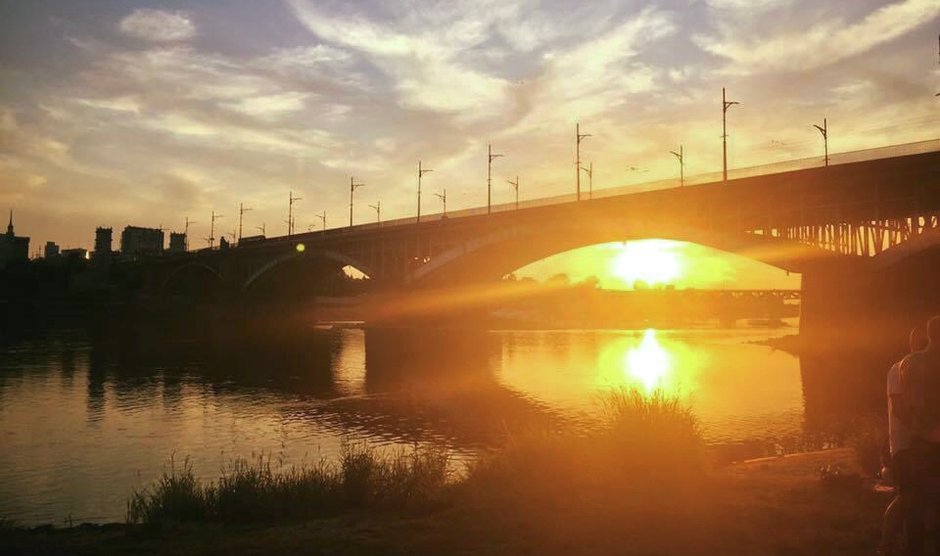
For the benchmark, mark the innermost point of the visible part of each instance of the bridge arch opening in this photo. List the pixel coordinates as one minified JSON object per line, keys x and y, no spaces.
{"x":657,"y":282}
{"x":501,"y":251}
{"x":657,"y":263}
{"x":303,"y":275}
{"x":194,"y":280}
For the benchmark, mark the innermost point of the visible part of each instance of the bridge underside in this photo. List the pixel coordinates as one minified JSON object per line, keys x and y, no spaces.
{"x":491,"y":257}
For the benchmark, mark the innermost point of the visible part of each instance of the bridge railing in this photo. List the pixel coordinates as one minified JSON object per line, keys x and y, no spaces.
{"x":835,"y":159}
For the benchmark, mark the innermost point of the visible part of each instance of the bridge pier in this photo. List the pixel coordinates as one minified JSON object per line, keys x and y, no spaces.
{"x":854,"y":303}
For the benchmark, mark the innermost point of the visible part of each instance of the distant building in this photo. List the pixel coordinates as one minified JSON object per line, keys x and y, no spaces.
{"x":76,"y":253}
{"x":51,"y":250}
{"x":102,"y":242}
{"x":177,"y":242}
{"x":141,"y":242}
{"x":12,"y":247}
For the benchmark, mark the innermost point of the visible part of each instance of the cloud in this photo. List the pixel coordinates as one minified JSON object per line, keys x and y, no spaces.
{"x":270,"y":105}
{"x":592,"y":78}
{"x":158,"y":25}
{"x":426,"y":61}
{"x":823,"y":41}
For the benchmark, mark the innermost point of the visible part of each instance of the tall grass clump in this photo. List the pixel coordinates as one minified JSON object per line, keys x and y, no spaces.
{"x":654,"y":435}
{"x":644,"y":441}
{"x":254,"y":491}
{"x":177,"y":495}
{"x":406,"y":478}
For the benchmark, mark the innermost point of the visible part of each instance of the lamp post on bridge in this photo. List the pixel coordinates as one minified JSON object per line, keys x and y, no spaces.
{"x":352,"y":189}
{"x":211,"y":238}
{"x":322,"y":218}
{"x":725,"y":105}
{"x":515,"y":186}
{"x":378,"y":211}
{"x":443,"y":199}
{"x":241,"y":213}
{"x":261,"y":229}
{"x":577,"y":162}
{"x":489,"y":177}
{"x":290,"y":213}
{"x":681,"y":156}
{"x":421,"y":172}
{"x":825,"y":134}
{"x":186,"y":233}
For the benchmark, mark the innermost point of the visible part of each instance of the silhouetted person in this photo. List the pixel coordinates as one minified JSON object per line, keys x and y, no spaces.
{"x":919,"y":409}
{"x":899,"y":443}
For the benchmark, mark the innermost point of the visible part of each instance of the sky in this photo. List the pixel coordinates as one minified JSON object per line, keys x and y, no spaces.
{"x":118,"y":112}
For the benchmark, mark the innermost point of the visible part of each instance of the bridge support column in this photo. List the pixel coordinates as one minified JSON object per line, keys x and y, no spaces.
{"x":856,"y":304}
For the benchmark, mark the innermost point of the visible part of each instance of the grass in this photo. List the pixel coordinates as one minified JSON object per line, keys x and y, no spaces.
{"x":252,"y":491}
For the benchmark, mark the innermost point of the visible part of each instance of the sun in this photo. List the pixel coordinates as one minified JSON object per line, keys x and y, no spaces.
{"x":653,"y":261}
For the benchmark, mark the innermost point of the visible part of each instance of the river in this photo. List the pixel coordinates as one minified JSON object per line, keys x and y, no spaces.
{"x":85,"y":420}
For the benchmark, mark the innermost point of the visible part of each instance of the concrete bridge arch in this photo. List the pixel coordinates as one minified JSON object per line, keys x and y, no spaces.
{"x":180,"y":274}
{"x":501,"y":251}
{"x":333,"y":258}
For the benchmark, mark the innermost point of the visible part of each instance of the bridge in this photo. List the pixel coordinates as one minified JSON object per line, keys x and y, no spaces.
{"x":866,"y":212}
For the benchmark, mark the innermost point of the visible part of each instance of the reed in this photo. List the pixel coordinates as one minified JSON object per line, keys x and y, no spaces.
{"x":253,"y":491}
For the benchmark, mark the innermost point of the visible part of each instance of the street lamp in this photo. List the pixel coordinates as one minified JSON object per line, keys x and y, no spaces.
{"x":322,"y":218}
{"x":241,"y":213}
{"x":290,"y":213}
{"x":489,"y":177}
{"x":211,"y":238}
{"x":681,"y":156}
{"x":825,"y":133}
{"x":515,"y":185}
{"x":725,"y":105}
{"x":352,"y":188}
{"x":421,"y":172}
{"x":261,"y":229}
{"x":443,"y":199}
{"x":378,"y":211}
{"x":186,"y":233}
{"x":577,"y":163}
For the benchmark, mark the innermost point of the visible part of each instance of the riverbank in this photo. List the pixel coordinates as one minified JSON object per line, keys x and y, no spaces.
{"x":768,"y":506}
{"x":789,"y":343}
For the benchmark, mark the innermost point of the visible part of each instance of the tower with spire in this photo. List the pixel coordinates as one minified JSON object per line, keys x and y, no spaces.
{"x":13,"y":248}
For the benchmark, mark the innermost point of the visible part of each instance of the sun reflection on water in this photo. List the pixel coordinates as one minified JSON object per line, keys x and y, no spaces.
{"x":649,"y":363}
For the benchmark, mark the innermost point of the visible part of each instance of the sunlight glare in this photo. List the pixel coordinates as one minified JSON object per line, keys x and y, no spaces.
{"x":653,"y":261}
{"x":648,"y":363}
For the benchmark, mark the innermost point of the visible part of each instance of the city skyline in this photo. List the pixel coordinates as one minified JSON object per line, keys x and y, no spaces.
{"x":135,"y":113}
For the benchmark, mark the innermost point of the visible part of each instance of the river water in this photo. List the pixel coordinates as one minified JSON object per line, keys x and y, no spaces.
{"x":85,"y":420}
